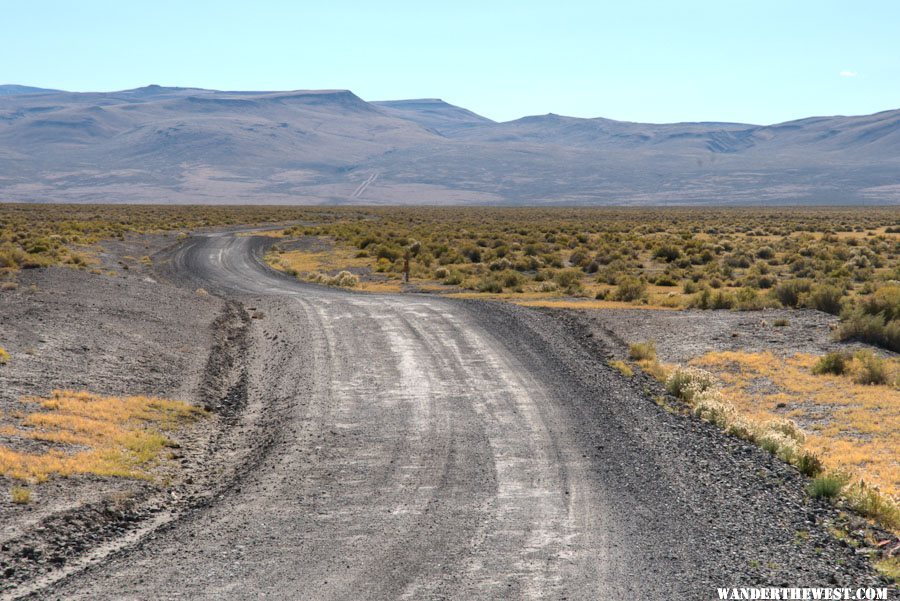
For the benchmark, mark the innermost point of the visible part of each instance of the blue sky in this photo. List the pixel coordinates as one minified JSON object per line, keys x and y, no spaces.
{"x":686,"y":60}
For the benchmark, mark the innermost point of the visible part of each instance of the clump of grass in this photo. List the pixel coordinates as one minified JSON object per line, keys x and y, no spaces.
{"x":642,"y":351}
{"x":622,"y":367}
{"x":827,"y":486}
{"x":871,"y":503}
{"x":4,"y":356}
{"x":201,"y":292}
{"x":780,"y":323}
{"x":835,"y":362}
{"x":20,"y":495}
{"x":656,"y":369}
{"x":889,"y":567}
{"x":88,"y":433}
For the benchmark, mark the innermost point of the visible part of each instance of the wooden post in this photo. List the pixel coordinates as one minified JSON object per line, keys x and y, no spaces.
{"x":406,"y":266}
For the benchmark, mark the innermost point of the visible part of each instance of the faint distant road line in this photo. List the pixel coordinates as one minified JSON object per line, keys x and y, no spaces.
{"x":362,"y":187}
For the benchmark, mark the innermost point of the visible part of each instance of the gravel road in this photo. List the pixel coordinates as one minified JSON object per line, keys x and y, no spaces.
{"x":423,"y":448}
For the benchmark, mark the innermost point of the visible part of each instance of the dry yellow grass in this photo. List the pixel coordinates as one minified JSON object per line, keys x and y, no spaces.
{"x":20,"y":495}
{"x":385,"y":286}
{"x":622,"y":367}
{"x":335,"y":259}
{"x":565,"y":303}
{"x":854,"y":428}
{"x":4,"y":356}
{"x":86,"y":433}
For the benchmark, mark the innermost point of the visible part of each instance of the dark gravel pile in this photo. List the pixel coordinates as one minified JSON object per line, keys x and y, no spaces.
{"x":68,"y":329}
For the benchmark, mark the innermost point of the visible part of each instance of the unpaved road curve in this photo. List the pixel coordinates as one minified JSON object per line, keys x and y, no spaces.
{"x":430,"y":449}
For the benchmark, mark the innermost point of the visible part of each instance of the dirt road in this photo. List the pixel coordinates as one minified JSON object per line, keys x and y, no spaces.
{"x":422,"y":448}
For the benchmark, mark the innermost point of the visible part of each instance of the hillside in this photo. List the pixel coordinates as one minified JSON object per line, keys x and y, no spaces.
{"x":183,"y":145}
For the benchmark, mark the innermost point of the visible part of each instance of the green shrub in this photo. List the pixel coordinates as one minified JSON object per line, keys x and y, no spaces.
{"x":667,"y":253}
{"x":825,"y":298}
{"x":789,"y":293}
{"x":857,"y":325}
{"x":454,"y":278}
{"x":826,"y":486}
{"x":885,"y":301}
{"x":631,"y":289}
{"x":765,"y":253}
{"x":511,"y":279}
{"x":489,"y":284}
{"x":869,"y":368}
{"x":835,"y":362}
{"x":568,"y":278}
{"x":722,"y":300}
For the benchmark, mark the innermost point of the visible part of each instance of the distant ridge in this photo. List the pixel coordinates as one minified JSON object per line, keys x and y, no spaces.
{"x":191,"y":145}
{"x":14,"y":90}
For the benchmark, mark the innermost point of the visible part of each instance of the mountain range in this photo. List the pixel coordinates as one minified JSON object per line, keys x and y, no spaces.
{"x":187,"y":145}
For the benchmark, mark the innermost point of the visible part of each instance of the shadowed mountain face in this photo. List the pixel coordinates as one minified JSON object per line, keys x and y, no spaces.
{"x":184,"y":145}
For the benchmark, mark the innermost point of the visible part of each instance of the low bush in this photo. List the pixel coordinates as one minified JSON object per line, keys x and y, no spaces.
{"x":809,"y":464}
{"x":779,"y":444}
{"x":343,"y":279}
{"x":453,"y":278}
{"x":489,"y":284}
{"x":569,"y":279}
{"x":825,"y":298}
{"x":869,"y":368}
{"x":631,"y":289}
{"x":711,"y":406}
{"x":4,"y":356}
{"x":790,"y":293}
{"x":835,"y":362}
{"x":885,"y":301}
{"x":873,"y":329}
{"x":687,"y":382}
{"x":787,"y":428}
{"x":548,"y":287}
